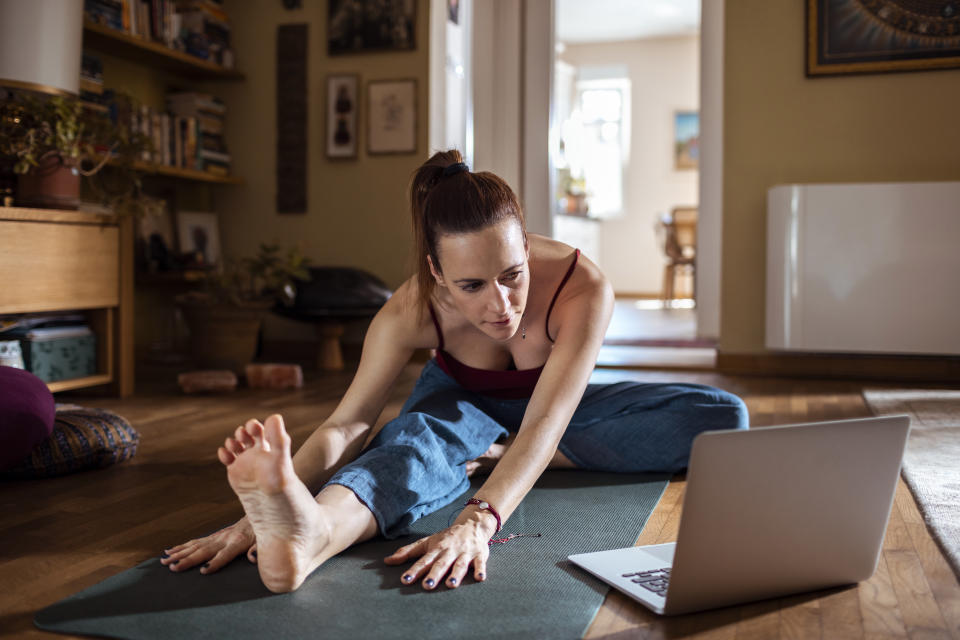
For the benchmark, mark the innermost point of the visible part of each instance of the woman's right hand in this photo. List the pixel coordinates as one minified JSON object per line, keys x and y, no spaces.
{"x":214,"y":551}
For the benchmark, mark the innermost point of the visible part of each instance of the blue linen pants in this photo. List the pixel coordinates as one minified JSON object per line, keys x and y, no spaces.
{"x":417,"y":463}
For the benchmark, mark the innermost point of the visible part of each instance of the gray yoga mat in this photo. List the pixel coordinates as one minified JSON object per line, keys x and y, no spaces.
{"x":531,"y":590}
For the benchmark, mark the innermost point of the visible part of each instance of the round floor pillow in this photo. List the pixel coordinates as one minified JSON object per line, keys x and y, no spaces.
{"x":26,"y":414}
{"x":82,"y":438}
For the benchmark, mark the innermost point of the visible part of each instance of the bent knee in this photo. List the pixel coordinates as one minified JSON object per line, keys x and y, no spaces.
{"x":738,"y":417}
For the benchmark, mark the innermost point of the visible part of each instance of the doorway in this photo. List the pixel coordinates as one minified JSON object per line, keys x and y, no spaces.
{"x":626,"y":157}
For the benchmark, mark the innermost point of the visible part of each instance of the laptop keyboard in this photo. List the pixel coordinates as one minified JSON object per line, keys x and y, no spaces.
{"x":655,"y":580}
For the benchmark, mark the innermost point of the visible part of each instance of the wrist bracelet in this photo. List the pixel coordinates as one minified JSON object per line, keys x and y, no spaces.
{"x":482,"y":504}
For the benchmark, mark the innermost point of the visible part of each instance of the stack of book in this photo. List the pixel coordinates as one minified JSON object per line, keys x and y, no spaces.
{"x":198,"y":27}
{"x":203,"y":117}
{"x":91,"y":79}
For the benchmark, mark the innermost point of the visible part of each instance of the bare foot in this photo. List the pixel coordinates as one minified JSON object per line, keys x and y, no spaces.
{"x":291,"y":535}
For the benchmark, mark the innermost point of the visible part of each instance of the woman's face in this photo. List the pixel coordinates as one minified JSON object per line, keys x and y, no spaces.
{"x":487,"y":277}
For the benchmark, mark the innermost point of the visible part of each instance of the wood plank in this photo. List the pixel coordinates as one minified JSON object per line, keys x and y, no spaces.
{"x":71,"y":266}
{"x":921,"y":615}
{"x":800,"y":618}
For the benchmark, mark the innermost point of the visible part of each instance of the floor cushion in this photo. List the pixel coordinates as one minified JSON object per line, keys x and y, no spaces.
{"x":82,"y":438}
{"x":26,"y":414}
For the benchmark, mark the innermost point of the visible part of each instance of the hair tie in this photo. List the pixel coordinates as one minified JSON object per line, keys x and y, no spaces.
{"x":456,"y":167}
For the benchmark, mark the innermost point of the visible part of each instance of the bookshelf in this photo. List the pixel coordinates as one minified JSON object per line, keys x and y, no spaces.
{"x":53,"y":261}
{"x":186,"y":174}
{"x":153,"y":54}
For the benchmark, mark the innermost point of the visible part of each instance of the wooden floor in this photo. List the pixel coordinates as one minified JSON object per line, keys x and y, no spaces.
{"x":61,"y":535}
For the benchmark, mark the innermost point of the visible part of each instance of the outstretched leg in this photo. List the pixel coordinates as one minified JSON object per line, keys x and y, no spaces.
{"x":295,"y":533}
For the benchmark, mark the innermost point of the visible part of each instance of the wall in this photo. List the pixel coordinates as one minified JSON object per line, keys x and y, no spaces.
{"x":781,"y":127}
{"x":664,"y":75}
{"x":357,"y":213}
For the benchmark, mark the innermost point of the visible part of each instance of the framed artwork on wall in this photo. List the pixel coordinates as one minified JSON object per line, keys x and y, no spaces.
{"x":360,"y":26}
{"x":342,"y":118}
{"x":199,"y":238}
{"x":392,"y":116}
{"x":854,"y":36}
{"x":686,"y":140}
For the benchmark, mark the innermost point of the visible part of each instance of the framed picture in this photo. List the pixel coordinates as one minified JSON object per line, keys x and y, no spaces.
{"x":392,"y":116}
{"x":199,"y":238}
{"x":852,"y":36}
{"x":686,"y":141}
{"x":155,"y":237}
{"x":359,"y":26}
{"x":342,"y":107}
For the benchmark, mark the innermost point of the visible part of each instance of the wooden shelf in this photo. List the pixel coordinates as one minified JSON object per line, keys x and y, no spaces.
{"x":185,"y":174}
{"x":154,"y":54}
{"x":79,"y":383}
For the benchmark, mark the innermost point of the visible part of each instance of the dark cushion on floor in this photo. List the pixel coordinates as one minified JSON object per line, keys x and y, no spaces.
{"x":26,"y":414}
{"x":337,"y":292}
{"x":82,"y":438}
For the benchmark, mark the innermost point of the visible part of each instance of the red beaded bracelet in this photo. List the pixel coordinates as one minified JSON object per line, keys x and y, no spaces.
{"x":482,"y":504}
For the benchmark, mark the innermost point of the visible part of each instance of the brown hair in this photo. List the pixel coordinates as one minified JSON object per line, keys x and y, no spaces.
{"x":448,"y":199}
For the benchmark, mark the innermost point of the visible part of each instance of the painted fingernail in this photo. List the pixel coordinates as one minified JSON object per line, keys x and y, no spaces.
{"x":430,"y":582}
{"x":206,"y":565}
{"x":174,"y":562}
{"x":480,"y":576}
{"x":407,"y":578}
{"x":164,"y":555}
{"x":453,"y":581}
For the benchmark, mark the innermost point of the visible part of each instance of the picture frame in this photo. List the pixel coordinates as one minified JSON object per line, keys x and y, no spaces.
{"x":342,"y":115}
{"x":198,"y":235}
{"x":362,"y":26}
{"x":157,"y":246}
{"x":392,"y":116}
{"x":850,"y":37}
{"x":686,"y":140}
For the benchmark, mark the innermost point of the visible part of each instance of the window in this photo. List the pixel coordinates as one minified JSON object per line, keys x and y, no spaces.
{"x":596,"y":144}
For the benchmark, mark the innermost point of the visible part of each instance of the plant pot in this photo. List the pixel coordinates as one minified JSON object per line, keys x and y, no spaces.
{"x":52,"y":185}
{"x":223,"y":336}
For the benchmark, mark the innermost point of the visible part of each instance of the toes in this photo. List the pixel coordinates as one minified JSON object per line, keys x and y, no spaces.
{"x":274,"y":433}
{"x":233,"y":446}
{"x":254,"y":430}
{"x":243,"y":437}
{"x":225,"y":456}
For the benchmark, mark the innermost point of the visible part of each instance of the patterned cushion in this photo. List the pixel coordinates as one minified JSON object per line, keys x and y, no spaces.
{"x":82,"y":439}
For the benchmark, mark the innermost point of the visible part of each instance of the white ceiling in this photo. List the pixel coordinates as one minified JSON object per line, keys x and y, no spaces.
{"x":603,"y":20}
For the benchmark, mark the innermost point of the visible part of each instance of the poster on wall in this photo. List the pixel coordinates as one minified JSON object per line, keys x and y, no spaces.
{"x":360,"y":26}
{"x":342,"y":116}
{"x":392,"y":116}
{"x":853,"y":36}
{"x":686,"y":128}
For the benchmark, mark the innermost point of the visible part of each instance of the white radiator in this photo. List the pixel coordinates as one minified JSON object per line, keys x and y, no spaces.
{"x":864,"y":268}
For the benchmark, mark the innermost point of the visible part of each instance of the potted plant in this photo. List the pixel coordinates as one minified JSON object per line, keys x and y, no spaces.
{"x":225,"y":316}
{"x":53,"y":140}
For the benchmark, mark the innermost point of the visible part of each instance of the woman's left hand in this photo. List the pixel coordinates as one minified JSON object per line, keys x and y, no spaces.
{"x":450,"y":553}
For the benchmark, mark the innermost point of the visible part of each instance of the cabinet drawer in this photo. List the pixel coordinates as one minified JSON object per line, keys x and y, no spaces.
{"x":54,"y":266}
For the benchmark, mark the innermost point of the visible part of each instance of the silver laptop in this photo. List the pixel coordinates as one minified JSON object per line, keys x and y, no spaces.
{"x":769,"y":512}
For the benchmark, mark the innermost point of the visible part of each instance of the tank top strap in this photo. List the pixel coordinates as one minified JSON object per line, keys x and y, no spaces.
{"x":436,"y":324}
{"x":556,"y":294}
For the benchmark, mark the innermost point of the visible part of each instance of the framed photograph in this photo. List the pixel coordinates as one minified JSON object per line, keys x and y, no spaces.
{"x":157,"y":247}
{"x":852,"y":36}
{"x":342,"y":108}
{"x":199,"y":238}
{"x":686,"y":140}
{"x":359,"y":26}
{"x":392,"y":116}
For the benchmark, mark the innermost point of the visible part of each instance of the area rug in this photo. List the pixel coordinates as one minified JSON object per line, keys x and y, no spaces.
{"x":531,"y":590}
{"x":931,"y":465}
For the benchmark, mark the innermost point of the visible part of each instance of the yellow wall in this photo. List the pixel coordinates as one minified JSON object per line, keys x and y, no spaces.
{"x":357,"y":213}
{"x":781,"y":127}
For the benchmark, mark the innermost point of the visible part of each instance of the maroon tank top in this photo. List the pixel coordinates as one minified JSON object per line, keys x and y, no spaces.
{"x":512,"y":383}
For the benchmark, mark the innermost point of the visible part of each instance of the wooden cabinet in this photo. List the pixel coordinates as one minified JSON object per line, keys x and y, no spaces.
{"x":53,"y":261}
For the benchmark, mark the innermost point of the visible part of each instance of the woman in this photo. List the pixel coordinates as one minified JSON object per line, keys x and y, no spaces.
{"x":517,"y":322}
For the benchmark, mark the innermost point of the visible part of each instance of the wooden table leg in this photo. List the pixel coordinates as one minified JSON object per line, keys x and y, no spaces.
{"x":329,"y":355}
